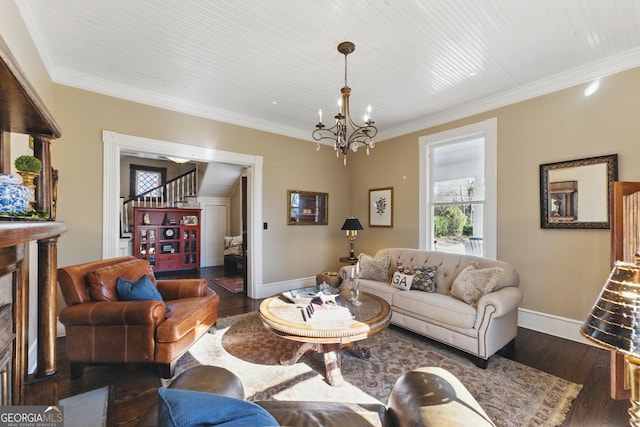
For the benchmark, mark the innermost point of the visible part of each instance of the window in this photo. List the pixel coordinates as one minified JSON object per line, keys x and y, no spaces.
{"x":147,"y":181}
{"x":458,"y":190}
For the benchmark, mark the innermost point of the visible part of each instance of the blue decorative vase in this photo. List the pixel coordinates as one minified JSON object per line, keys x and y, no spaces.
{"x":14,"y":198}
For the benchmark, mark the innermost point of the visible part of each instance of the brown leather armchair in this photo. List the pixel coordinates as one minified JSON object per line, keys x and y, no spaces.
{"x":102,"y":329}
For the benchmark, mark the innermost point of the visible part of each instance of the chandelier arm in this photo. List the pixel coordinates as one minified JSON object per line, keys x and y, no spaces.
{"x":346,"y":134}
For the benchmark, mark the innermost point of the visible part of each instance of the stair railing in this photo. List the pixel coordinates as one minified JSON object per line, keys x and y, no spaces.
{"x":172,"y":194}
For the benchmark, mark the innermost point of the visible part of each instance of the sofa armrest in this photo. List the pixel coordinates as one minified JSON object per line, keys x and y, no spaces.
{"x":345,"y":271}
{"x":182,"y":288}
{"x":433,"y":397}
{"x":504,"y":300}
{"x":115,"y":313}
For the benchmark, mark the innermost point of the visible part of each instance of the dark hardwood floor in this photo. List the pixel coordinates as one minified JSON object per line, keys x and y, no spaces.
{"x":133,"y":387}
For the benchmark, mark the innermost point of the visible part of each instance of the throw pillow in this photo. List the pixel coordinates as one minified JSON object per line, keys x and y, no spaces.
{"x":141,"y":290}
{"x":402,"y":281}
{"x":178,"y":408}
{"x":424,"y":278}
{"x":473,"y":283}
{"x":374,"y":268}
{"x":102,"y":281}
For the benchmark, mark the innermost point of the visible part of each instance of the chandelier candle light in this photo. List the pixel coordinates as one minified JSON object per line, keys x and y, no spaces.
{"x":346,"y":134}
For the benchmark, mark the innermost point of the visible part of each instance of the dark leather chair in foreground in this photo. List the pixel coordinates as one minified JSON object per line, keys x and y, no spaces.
{"x":102,"y":328}
{"x":428,"y":397}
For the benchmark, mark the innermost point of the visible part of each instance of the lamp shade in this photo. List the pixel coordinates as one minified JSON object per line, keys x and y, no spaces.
{"x":614,"y":321}
{"x":351,"y":224}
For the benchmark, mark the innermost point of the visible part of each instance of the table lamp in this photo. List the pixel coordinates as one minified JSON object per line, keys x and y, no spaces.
{"x":614,"y":323}
{"x":351,"y":225}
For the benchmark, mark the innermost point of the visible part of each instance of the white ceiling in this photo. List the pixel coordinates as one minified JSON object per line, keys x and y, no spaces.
{"x":270,"y":64}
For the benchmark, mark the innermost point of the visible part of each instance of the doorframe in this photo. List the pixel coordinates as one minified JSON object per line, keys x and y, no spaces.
{"x":115,"y":143}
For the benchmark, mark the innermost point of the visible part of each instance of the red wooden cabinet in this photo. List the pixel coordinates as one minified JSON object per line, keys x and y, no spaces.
{"x":169,"y":238}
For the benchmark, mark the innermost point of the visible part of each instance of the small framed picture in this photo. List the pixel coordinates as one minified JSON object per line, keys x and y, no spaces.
{"x":381,"y":207}
{"x":189,"y":220}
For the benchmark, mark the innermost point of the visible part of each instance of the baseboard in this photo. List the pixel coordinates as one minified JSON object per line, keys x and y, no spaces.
{"x":550,"y":324}
{"x":270,"y":289}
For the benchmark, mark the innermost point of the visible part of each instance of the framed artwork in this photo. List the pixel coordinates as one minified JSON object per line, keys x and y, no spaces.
{"x":307,"y":208}
{"x":381,"y":207}
{"x":190,"y":220}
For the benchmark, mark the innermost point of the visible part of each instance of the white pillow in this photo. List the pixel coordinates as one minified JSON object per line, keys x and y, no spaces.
{"x":374,"y":268}
{"x":473,"y":283}
{"x":230,"y":241}
{"x":402,"y":281}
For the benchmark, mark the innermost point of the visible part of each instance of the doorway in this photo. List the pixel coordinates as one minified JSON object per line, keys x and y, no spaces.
{"x":114,"y":144}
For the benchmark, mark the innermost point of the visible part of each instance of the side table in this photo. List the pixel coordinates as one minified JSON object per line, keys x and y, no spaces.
{"x":347,"y":260}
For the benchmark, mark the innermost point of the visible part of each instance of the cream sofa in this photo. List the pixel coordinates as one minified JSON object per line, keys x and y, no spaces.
{"x":480,"y":331}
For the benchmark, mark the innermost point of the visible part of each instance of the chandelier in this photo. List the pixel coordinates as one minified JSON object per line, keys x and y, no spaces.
{"x":346,"y":134}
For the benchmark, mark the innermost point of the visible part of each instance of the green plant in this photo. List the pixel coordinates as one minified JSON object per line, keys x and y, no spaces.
{"x":28,"y":164}
{"x":449,"y":221}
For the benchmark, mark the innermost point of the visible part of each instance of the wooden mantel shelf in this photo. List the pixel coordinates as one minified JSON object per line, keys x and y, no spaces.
{"x":22,"y":111}
{"x":16,"y":232}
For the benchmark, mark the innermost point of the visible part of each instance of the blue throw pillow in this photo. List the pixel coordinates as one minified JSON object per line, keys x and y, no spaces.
{"x":181,"y":408}
{"x":142,"y":290}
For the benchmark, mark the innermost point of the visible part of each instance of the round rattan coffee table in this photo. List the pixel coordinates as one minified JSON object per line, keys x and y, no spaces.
{"x":284,"y":319}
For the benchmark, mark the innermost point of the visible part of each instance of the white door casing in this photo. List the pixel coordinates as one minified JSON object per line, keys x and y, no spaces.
{"x":115,"y":143}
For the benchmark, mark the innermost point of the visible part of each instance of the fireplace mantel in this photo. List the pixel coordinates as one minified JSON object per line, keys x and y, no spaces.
{"x":22,"y":111}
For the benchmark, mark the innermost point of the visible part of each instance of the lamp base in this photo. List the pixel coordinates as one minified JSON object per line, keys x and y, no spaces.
{"x":634,"y":381}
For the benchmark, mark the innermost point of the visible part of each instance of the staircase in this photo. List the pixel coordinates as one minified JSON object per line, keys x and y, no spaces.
{"x":174,"y":193}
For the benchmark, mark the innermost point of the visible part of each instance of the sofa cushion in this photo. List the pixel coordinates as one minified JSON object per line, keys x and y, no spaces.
{"x":102,"y":281}
{"x":374,"y":268}
{"x":474,"y":282}
{"x":424,"y":277}
{"x":178,"y":408}
{"x":432,"y":305}
{"x":186,"y":315}
{"x":141,"y":290}
{"x":402,"y":281}
{"x":380,"y":289}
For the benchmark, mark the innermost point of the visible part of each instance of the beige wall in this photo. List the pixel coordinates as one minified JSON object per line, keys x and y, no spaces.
{"x":289,"y":252}
{"x":562,"y":271}
{"x":16,"y":36}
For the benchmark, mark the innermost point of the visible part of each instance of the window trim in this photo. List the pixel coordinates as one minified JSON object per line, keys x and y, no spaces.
{"x":132,"y":177}
{"x":486,"y":129}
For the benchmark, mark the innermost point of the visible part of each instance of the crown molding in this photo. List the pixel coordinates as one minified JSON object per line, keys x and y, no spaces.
{"x":577,"y":76}
{"x":130,"y":93}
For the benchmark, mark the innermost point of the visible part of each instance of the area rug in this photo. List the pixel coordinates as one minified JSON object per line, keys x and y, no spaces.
{"x":512,"y":394}
{"x":232,"y":284}
{"x":88,"y":409}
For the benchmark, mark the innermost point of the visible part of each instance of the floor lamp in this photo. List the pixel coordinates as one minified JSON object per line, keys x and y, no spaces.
{"x":614,"y":323}
{"x":352,"y":225}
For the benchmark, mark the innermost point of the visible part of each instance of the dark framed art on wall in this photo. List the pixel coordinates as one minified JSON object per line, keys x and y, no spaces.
{"x":381,"y":207}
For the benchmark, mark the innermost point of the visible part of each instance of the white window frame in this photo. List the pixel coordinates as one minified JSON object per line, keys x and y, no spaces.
{"x":488,"y":130}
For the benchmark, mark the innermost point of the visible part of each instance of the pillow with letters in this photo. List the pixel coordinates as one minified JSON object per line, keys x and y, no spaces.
{"x":402,"y":281}
{"x":424,"y":278}
{"x":141,"y":290}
